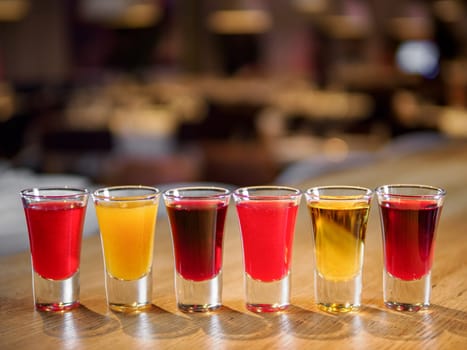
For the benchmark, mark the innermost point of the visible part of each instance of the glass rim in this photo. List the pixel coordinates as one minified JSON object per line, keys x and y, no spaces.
{"x":437,"y":191}
{"x":289,"y":192}
{"x":366,"y":193}
{"x":36,"y":192}
{"x":97,"y":194}
{"x":218,"y":192}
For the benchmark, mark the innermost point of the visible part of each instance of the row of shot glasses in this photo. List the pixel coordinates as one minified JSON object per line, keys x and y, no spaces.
{"x":266,"y":214}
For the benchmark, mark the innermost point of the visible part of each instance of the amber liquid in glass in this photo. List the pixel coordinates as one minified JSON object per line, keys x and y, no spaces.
{"x":339,"y":234}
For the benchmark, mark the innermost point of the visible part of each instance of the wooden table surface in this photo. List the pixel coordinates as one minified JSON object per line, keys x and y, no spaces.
{"x":303,"y":326}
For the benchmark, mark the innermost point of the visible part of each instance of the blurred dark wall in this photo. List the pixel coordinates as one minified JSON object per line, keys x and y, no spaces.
{"x":37,"y":48}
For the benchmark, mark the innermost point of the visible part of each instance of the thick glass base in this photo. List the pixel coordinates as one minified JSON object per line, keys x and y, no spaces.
{"x":403,"y":295}
{"x":129,"y":296}
{"x":56,"y":295}
{"x":267,"y":296}
{"x":338,"y":296}
{"x":202,"y":296}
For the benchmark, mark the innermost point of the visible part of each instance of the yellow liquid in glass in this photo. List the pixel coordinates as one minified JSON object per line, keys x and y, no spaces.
{"x":127,"y":233}
{"x":339,"y":234}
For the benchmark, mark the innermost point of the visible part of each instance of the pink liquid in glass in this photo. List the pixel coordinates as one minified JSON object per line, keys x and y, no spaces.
{"x":55,"y":231}
{"x":267,"y":234}
{"x":198,"y":233}
{"x":409,"y":237}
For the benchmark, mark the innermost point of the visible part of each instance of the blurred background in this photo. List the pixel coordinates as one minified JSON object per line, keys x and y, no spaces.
{"x":239,"y":92}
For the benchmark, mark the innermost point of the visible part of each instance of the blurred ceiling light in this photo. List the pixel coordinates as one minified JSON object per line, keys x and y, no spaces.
{"x":418,"y":57}
{"x":122,"y":13}
{"x":13,"y":10}
{"x":239,"y":21}
{"x":311,"y":6}
{"x":345,"y":27}
{"x":448,"y":10}
{"x":138,"y":16}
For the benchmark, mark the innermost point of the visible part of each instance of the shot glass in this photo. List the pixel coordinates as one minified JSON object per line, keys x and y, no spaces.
{"x":197,"y":217}
{"x":339,"y":216}
{"x":127,"y":217}
{"x":409,"y":219}
{"x":267,"y":216}
{"x":55,"y":219}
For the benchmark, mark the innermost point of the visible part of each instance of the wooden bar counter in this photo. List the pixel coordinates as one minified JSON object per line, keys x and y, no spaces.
{"x":303,"y":326}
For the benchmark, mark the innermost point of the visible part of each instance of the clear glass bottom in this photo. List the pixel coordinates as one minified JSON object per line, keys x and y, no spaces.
{"x":403,"y":295}
{"x":267,"y":296}
{"x":129,"y":296}
{"x":202,"y":296}
{"x":338,"y":296}
{"x":56,"y":295}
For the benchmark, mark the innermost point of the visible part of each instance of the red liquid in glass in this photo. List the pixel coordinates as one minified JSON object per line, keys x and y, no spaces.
{"x":409,"y":235}
{"x":55,"y":231}
{"x":267,"y":233}
{"x":198,"y":233}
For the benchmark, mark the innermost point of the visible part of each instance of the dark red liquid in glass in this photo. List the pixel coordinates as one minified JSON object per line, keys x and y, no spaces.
{"x":409,"y":236}
{"x":198,"y":234}
{"x":267,"y":234}
{"x":55,"y":231}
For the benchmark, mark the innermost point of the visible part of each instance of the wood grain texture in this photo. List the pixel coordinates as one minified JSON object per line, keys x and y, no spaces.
{"x":92,"y":326}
